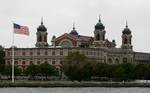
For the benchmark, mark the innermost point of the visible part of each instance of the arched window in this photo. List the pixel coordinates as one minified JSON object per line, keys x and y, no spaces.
{"x":40,"y":38}
{"x":125,"y":40}
{"x":104,"y":59}
{"x":45,"y":38}
{"x":125,"y":60}
{"x":23,"y":62}
{"x":110,"y":61}
{"x":117,"y":61}
{"x":103,"y":37}
{"x":130,"y":40}
{"x":97,"y":37}
{"x":16,"y":62}
{"x":66,"y":44}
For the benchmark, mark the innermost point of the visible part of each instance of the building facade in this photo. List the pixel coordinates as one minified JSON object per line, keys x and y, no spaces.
{"x":96,"y":48}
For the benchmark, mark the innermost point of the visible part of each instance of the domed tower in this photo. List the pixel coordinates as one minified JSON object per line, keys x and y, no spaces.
{"x":99,"y":34}
{"x":41,"y":36}
{"x":73,"y":31}
{"x":126,"y":38}
{"x":53,"y":40}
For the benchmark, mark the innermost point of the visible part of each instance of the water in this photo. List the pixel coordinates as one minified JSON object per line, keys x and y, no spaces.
{"x":75,"y":90}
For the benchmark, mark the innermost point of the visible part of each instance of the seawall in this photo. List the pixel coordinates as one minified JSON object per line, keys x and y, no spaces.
{"x":73,"y":84}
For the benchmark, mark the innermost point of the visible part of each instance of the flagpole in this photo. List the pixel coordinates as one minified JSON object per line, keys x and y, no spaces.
{"x":17,"y":29}
{"x":13,"y":59}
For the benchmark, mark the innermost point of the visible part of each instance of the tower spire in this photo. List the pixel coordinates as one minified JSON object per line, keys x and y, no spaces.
{"x":126,"y":24}
{"x":41,"y":20}
{"x":73,"y":26}
{"x":99,"y":18}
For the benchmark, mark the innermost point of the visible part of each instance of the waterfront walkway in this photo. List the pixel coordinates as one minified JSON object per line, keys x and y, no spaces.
{"x":27,"y":83}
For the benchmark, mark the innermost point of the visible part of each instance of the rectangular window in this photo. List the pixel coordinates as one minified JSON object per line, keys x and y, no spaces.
{"x":16,"y":52}
{"x":53,"y":62}
{"x":38,"y":53}
{"x":61,"y":52}
{"x":23,"y":62}
{"x":69,"y":52}
{"x":53,"y":52}
{"x":61,"y":62}
{"x":38,"y":62}
{"x":46,"y":53}
{"x":8,"y":53}
{"x":46,"y":62}
{"x":16,"y":62}
{"x":8,"y":62}
{"x":31,"y":53}
{"x":31,"y":62}
{"x":57,"y":52}
{"x":23,"y":53}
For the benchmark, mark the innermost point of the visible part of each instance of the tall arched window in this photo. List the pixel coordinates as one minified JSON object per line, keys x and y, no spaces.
{"x":130,"y":40}
{"x":103,"y":37}
{"x":125,"y":40}
{"x":66,"y":44}
{"x":125,"y":60}
{"x":97,"y":37}
{"x":45,"y":38}
{"x":110,"y":60}
{"x":40,"y":38}
{"x":117,"y":61}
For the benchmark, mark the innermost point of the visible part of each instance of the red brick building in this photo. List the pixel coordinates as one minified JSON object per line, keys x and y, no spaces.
{"x":97,"y":48}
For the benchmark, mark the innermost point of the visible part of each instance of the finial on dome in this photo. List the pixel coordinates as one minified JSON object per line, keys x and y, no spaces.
{"x":41,"y":20}
{"x":126,"y":29}
{"x":99,"y":18}
{"x":126,"y":24}
{"x":73,"y":26}
{"x":41,"y":26}
{"x":74,"y":32}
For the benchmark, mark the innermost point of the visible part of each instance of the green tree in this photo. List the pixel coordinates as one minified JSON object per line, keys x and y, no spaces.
{"x":75,"y":58}
{"x":8,"y":71}
{"x":2,"y":59}
{"x":2,"y":67}
{"x":79,"y":73}
{"x":139,"y":71}
{"x":77,"y":67}
{"x":32,"y":71}
{"x":2,"y":55}
{"x":17,"y":71}
{"x":47,"y":70}
{"x":70,"y":71}
{"x":118,"y":72}
{"x":87,"y":71}
{"x":147,"y":72}
{"x":102,"y":70}
{"x":142,"y":71}
{"x":129,"y":70}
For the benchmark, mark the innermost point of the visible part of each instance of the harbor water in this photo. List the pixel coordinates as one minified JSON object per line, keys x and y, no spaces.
{"x":76,"y":90}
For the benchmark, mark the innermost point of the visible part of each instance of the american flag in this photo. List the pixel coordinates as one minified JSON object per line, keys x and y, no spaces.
{"x":24,"y":30}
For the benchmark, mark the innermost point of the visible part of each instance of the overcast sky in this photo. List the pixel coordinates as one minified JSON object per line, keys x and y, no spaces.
{"x":59,"y":16}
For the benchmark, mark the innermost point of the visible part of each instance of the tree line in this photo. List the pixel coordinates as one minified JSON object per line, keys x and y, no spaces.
{"x":80,"y":68}
{"x":32,"y":71}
